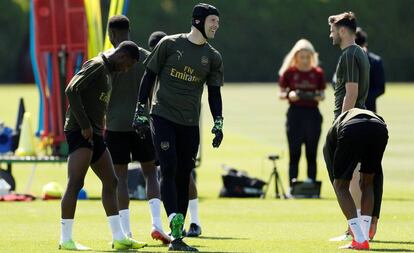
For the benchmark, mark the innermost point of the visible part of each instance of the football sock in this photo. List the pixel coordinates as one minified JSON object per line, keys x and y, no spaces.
{"x":125,"y":221}
{"x":193,"y":207}
{"x":155,"y":209}
{"x":66,"y":230}
{"x":355,"y":226}
{"x":116,"y":228}
{"x":365,"y":225}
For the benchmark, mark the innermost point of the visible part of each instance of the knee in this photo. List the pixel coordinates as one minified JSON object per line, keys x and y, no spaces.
{"x":121,"y":171}
{"x":111,"y":183}
{"x":294,"y":157}
{"x":168,"y":171}
{"x":151,"y":176}
{"x":183,"y":180}
{"x":341,"y":185}
{"x":167,"y":185}
{"x":114,"y":182}
{"x":121,"y":178}
{"x":149,"y":170}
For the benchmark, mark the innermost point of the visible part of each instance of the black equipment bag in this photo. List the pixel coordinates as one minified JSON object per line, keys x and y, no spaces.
{"x":238,"y":184}
{"x":307,"y":190}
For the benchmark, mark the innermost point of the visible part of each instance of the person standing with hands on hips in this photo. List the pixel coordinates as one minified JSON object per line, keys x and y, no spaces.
{"x":182,"y":63}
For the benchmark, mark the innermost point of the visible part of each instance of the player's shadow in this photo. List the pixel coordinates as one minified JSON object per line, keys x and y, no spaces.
{"x":219,"y":238}
{"x":378,"y":242}
{"x":122,"y":251}
{"x":393,"y":242}
{"x":146,"y":251}
{"x":389,"y":199}
{"x":399,"y":199}
{"x":392,"y":250}
{"x":221,"y":251}
{"x":201,"y":248}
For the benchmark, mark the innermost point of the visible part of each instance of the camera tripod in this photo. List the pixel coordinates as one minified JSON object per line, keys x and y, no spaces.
{"x":278,"y":182}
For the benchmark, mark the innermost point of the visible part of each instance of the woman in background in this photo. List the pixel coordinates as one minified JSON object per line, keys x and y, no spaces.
{"x":302,"y":84}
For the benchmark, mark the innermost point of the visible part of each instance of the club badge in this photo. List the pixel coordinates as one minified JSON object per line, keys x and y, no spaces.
{"x":165,"y":145}
{"x":204,"y":60}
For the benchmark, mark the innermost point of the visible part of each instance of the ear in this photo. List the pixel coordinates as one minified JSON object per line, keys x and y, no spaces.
{"x":112,"y":36}
{"x":127,"y":57}
{"x":341,"y":30}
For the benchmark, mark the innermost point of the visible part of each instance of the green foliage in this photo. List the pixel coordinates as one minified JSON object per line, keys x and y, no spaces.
{"x":14,"y":35}
{"x":254,"y":35}
{"x":24,"y":4}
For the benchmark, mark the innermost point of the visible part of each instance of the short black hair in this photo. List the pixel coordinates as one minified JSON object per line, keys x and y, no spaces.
{"x":361,"y":37}
{"x":154,"y":38}
{"x":119,"y":22}
{"x":130,"y":48}
{"x":346,"y":19}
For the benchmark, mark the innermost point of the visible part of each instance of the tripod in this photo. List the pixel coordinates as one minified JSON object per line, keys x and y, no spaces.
{"x":275,"y":174}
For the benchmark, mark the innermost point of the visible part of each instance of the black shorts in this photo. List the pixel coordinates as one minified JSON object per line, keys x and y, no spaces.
{"x":360,"y":142}
{"x":128,"y":146}
{"x":76,"y":140}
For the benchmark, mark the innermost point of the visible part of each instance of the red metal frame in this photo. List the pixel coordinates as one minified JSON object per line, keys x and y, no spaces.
{"x":58,"y":23}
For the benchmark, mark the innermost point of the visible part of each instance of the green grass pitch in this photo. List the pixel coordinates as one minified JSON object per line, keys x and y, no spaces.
{"x":254,"y":121}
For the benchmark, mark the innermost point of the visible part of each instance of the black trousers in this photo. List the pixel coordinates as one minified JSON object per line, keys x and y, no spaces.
{"x":176,"y":147}
{"x":303,"y":126}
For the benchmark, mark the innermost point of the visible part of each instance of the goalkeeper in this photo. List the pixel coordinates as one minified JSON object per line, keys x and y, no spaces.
{"x":182,"y":63}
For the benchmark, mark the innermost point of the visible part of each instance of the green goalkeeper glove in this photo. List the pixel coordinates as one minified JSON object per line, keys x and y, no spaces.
{"x":217,"y":131}
{"x":140,"y":122}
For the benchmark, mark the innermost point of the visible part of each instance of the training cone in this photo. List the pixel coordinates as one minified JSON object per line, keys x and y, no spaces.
{"x":26,"y":142}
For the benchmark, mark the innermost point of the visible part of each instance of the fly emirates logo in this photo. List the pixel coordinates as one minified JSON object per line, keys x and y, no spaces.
{"x":186,"y":75}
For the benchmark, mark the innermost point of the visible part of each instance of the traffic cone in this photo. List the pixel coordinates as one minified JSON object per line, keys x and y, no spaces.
{"x":26,"y":142}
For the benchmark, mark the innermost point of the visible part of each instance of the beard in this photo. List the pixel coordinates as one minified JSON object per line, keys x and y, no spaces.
{"x":336,"y":41}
